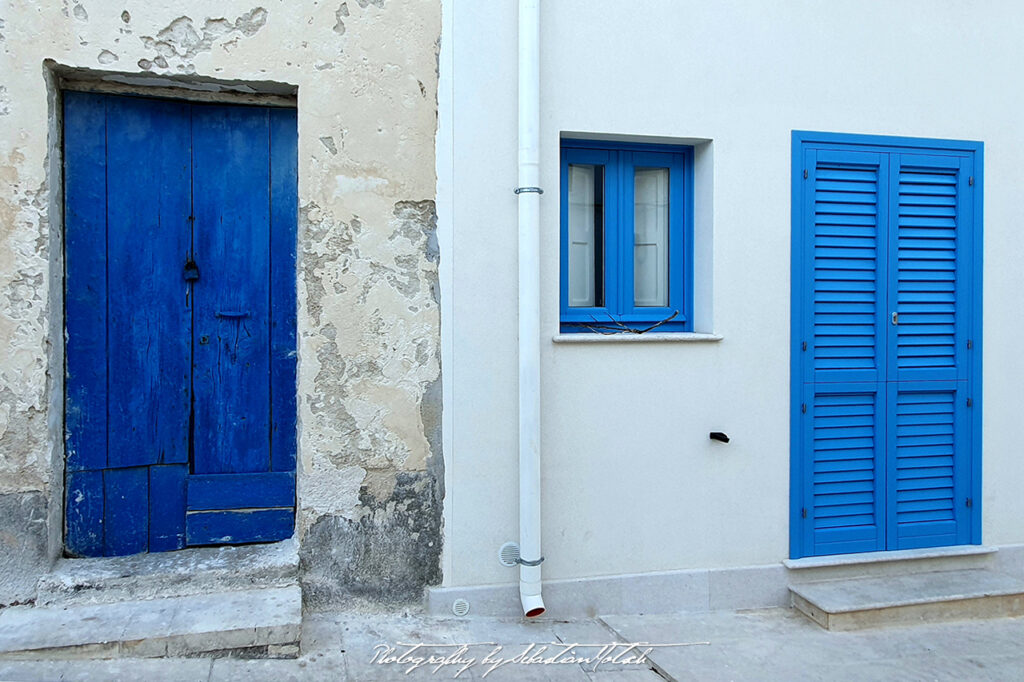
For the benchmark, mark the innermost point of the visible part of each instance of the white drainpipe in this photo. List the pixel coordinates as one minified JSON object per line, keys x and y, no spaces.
{"x":529,"y":308}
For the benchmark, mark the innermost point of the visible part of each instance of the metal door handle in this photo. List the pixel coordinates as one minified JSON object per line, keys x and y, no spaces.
{"x":231,"y":313}
{"x":895,"y":318}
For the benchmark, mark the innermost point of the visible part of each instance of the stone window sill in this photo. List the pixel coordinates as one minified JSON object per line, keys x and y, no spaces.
{"x":650,"y":337}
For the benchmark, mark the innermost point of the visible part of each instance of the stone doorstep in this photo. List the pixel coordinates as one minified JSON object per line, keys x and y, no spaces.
{"x":889,"y":563}
{"x":184,"y":572}
{"x":912,"y":598}
{"x":255,"y":623}
{"x":903,"y":555}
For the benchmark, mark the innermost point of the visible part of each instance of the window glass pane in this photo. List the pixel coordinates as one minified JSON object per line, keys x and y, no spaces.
{"x":650,"y":237}
{"x":586,"y":235}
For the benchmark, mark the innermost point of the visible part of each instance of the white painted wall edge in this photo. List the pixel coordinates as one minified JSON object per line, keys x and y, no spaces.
{"x":444,"y":159}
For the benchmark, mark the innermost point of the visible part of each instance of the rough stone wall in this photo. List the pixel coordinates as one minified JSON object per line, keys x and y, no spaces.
{"x":370,"y":483}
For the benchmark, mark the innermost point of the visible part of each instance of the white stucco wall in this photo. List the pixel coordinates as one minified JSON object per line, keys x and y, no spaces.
{"x":631,"y":481}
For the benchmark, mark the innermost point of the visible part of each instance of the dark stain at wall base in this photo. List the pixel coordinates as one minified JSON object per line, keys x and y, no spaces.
{"x":388,"y":555}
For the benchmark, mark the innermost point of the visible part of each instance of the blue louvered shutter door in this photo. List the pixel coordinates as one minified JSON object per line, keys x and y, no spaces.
{"x":845,"y":366}
{"x":927,"y":431}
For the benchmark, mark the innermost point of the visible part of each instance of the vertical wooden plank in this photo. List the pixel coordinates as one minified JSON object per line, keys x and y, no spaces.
{"x":283,"y":227}
{"x":85,"y":197}
{"x":167,"y":507}
{"x":84,"y":507}
{"x":126,"y":510}
{"x":148,"y":211}
{"x":232,"y":297}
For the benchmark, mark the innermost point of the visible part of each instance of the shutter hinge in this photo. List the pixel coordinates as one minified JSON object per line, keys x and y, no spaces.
{"x":970,"y":344}
{"x":968,"y":502}
{"x":970,"y":402}
{"x":803,"y":346}
{"x":803,"y":408}
{"x":805,"y":173}
{"x":803,"y":512}
{"x":970,"y":181}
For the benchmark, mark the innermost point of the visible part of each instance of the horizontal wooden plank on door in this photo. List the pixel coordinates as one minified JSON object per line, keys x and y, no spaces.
{"x":241,"y":491}
{"x":237,"y":527}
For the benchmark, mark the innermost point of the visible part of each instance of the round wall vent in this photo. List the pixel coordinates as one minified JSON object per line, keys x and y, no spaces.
{"x":508,"y":555}
{"x":460,"y":607}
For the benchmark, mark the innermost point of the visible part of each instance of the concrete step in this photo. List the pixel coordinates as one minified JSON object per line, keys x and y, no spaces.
{"x":193,"y":571}
{"x":900,"y":562}
{"x":260,"y":623}
{"x":865,"y":602}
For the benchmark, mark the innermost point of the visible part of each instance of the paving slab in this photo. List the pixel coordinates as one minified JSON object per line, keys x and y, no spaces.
{"x":151,"y":670}
{"x":232,"y":669}
{"x":383,"y":648}
{"x":781,"y":644}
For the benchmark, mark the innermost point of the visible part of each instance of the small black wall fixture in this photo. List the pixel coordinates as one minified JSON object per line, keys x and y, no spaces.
{"x":719,"y":436}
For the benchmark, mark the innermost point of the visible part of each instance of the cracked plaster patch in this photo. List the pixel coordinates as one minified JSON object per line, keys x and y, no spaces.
{"x":342,"y":11}
{"x":23,"y":324}
{"x":182,"y":40}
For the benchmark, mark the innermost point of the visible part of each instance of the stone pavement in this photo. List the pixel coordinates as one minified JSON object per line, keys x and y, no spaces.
{"x":772,"y":644}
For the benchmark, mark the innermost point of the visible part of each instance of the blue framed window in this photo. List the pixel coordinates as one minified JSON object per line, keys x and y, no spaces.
{"x":626,"y":237}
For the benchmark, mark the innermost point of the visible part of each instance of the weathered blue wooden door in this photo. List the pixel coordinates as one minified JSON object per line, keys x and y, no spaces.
{"x":886,"y":332}
{"x":180,"y":323}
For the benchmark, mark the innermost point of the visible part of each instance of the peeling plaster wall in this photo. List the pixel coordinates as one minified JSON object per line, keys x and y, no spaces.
{"x":368,"y":330}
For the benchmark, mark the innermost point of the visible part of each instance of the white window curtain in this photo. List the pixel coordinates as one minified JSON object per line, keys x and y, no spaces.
{"x":650,"y":237}
{"x":584,"y":231}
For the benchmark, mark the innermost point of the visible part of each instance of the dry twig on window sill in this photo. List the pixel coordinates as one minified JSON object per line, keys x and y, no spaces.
{"x":618,"y":328}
